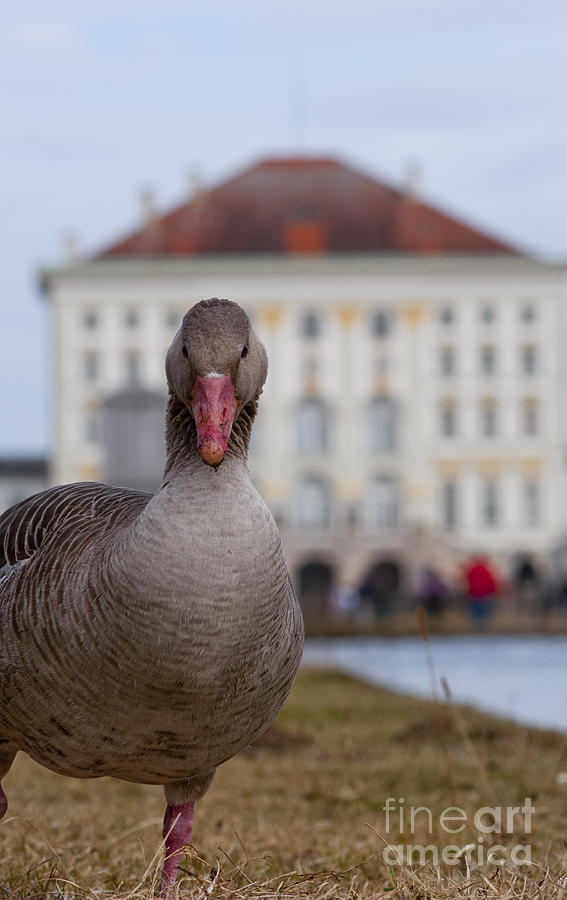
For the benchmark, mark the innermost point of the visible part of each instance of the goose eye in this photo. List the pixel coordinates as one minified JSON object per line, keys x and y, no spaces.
{"x":184,"y":351}
{"x":244,"y":351}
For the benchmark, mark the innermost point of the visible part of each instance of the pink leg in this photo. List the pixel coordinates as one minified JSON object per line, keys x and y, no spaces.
{"x":177,"y":827}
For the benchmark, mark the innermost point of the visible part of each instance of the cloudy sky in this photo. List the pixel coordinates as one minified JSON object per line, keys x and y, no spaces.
{"x":101,"y":99}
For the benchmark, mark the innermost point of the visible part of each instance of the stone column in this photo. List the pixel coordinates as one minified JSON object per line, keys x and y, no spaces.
{"x":348,"y":431}
{"x":417,"y":487}
{"x":273,"y":465}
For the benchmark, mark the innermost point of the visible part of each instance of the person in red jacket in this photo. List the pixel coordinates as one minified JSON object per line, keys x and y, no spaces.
{"x":481,"y":586}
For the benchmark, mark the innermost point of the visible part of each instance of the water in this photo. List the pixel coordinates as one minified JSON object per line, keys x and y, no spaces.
{"x":520,"y":678}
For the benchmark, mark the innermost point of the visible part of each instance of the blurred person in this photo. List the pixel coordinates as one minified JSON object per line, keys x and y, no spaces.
{"x":528,"y":586}
{"x":481,"y":583}
{"x":345,"y":602}
{"x":379,"y":588}
{"x":431,"y":591}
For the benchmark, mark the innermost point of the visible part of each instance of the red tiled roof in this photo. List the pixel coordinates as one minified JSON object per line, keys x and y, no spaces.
{"x":304,"y":205}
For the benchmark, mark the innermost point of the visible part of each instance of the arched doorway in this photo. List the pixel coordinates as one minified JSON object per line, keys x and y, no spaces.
{"x":315,"y":582}
{"x":380,"y":588}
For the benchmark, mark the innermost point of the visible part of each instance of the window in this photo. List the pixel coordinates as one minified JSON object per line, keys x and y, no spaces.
{"x":313,"y":503}
{"x":90,"y":319}
{"x":490,"y":510}
{"x":532,"y":512}
{"x":381,"y":324}
{"x":528,"y":314}
{"x":382,"y":503}
{"x":131,"y":318}
{"x":312,"y":426}
{"x":132,"y":364}
{"x":90,"y":366}
{"x":488,"y":359}
{"x":449,"y":511}
{"x":92,"y":426}
{"x":447,"y":361}
{"x":310,"y":325}
{"x":530,"y":417}
{"x":488,"y":418}
{"x":447,"y":316}
{"x":487,"y":315}
{"x":382,"y":425}
{"x":448,"y":419}
{"x":303,"y":236}
{"x":528,"y":359}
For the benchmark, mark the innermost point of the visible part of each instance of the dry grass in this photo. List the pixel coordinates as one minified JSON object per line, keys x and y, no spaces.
{"x":301,"y":813}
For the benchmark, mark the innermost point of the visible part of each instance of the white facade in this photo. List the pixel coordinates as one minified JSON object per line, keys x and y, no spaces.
{"x":406,"y":395}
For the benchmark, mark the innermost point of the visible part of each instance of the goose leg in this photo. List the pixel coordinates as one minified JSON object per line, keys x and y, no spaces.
{"x":177,"y":828}
{"x":7,"y":754}
{"x":181,"y":797}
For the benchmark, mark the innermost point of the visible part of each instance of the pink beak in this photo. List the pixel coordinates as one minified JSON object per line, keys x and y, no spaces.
{"x":214,"y":406}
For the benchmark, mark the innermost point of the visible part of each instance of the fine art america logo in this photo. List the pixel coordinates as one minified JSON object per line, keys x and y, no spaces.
{"x":489,"y":822}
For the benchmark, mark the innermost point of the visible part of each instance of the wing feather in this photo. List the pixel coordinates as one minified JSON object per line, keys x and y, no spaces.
{"x":25,"y":526}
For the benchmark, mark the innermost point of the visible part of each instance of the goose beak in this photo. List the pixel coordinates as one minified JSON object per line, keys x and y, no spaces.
{"x":213,"y":405}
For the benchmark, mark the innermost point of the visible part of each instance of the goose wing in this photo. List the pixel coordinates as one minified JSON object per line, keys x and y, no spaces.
{"x":27,"y":525}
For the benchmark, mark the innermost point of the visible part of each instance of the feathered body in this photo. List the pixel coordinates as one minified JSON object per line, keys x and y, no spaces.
{"x":146,"y":637}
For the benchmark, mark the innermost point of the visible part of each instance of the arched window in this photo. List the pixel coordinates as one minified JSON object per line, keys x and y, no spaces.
{"x":312,"y":426}
{"x":382,"y":503}
{"x":382,"y":425}
{"x":313,"y":503}
{"x":315,"y":582}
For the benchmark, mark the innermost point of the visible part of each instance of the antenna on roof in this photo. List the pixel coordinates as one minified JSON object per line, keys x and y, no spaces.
{"x":412,"y":182}
{"x":148,"y":206}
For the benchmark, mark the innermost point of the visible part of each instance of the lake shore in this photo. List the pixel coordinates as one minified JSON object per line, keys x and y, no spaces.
{"x":521,"y":677}
{"x":406,"y":623}
{"x":302,"y":813}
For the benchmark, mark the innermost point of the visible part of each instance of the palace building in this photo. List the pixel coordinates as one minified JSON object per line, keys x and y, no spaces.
{"x":415,"y":396}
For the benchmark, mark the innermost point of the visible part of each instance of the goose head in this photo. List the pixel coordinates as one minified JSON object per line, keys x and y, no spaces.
{"x":215,"y":366}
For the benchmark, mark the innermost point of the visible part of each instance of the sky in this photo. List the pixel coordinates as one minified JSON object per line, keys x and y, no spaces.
{"x":101,"y":100}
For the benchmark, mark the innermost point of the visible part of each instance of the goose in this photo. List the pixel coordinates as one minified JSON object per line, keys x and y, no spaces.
{"x":151,"y":637}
